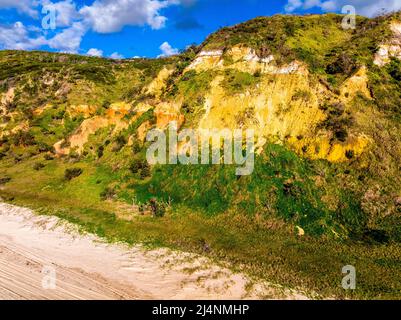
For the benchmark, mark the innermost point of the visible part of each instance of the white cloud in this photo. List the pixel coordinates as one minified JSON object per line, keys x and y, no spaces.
{"x":116,"y":55}
{"x":19,"y":37}
{"x":16,"y":37}
{"x":68,"y":40}
{"x":95,"y":52}
{"x":22,"y":6}
{"x":367,"y":8}
{"x":66,"y":11}
{"x":167,"y":50}
{"x":293,"y":5}
{"x":107,"y":16}
{"x":102,"y":16}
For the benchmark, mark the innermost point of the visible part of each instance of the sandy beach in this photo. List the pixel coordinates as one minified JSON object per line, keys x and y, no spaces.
{"x":45,"y":258}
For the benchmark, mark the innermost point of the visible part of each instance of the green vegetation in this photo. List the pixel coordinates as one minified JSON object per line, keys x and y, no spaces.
{"x":72,"y":173}
{"x":260,"y":245}
{"x":193,"y":87}
{"x":348,"y":212}
{"x":319,"y":40}
{"x":386,"y":84}
{"x":236,"y":81}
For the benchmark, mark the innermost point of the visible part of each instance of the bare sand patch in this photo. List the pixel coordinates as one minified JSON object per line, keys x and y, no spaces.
{"x":89,"y":268}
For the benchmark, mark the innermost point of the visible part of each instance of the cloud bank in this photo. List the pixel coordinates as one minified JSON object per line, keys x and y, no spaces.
{"x":72,"y":23}
{"x":369,"y":8}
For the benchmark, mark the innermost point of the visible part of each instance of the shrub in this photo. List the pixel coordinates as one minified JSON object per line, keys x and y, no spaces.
{"x":38,"y":166}
{"x":100,"y":152}
{"x":4,"y":180}
{"x":136,"y":166}
{"x":108,"y":193}
{"x":394,"y":69}
{"x":119,"y":143}
{"x":17,"y":158}
{"x":43,"y":147}
{"x":344,"y":65}
{"x":48,"y":157}
{"x":350,"y":154}
{"x":338,"y":121}
{"x":238,"y":81}
{"x":74,"y":155}
{"x":132,"y":93}
{"x":157,"y":207}
{"x":302,"y":95}
{"x":65,"y":144}
{"x":101,"y":111}
{"x":187,"y":108}
{"x":145,"y":172}
{"x":136,"y":147}
{"x":188,"y":75}
{"x":142,"y":167}
{"x":23,"y":138}
{"x":72,"y":173}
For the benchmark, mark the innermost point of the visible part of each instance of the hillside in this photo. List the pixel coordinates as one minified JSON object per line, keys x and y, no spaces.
{"x":325,"y":106}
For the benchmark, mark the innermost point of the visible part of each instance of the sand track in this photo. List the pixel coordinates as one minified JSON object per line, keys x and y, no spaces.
{"x":88,"y":268}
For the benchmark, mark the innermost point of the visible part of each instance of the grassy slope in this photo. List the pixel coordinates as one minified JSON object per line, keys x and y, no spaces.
{"x":265,"y":248}
{"x":248,"y":222}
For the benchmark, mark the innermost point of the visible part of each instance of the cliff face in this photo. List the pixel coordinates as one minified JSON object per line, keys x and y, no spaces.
{"x":329,"y":95}
{"x":390,"y":48}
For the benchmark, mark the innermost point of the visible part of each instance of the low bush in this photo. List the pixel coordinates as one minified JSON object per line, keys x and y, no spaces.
{"x":100,"y":152}
{"x":158,"y":208}
{"x":136,"y":147}
{"x":119,"y":143}
{"x":108,"y":194}
{"x":4,"y":180}
{"x":38,"y":166}
{"x":238,"y":81}
{"x":72,"y":173}
{"x":140,"y":166}
{"x":48,"y":157}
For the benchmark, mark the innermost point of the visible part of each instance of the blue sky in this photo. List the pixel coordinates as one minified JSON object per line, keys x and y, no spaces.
{"x":129,"y":28}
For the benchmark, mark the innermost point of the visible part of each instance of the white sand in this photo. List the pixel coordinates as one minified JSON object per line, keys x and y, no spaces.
{"x":88,"y":268}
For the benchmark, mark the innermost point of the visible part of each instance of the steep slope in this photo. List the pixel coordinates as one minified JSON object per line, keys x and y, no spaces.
{"x":325,"y":107}
{"x":275,"y":75}
{"x":324,"y":103}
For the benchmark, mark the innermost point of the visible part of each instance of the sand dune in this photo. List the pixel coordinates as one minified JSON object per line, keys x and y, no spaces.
{"x":32,"y":247}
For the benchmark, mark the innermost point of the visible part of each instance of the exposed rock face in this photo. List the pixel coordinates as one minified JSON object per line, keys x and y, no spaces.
{"x":157,"y":85}
{"x":243,"y":59}
{"x":77,"y":141}
{"x":206,"y":60}
{"x":83,"y":109}
{"x":166,"y":112}
{"x":357,"y":84}
{"x":6,"y":98}
{"x":392,"y":49}
{"x":284,"y":106}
